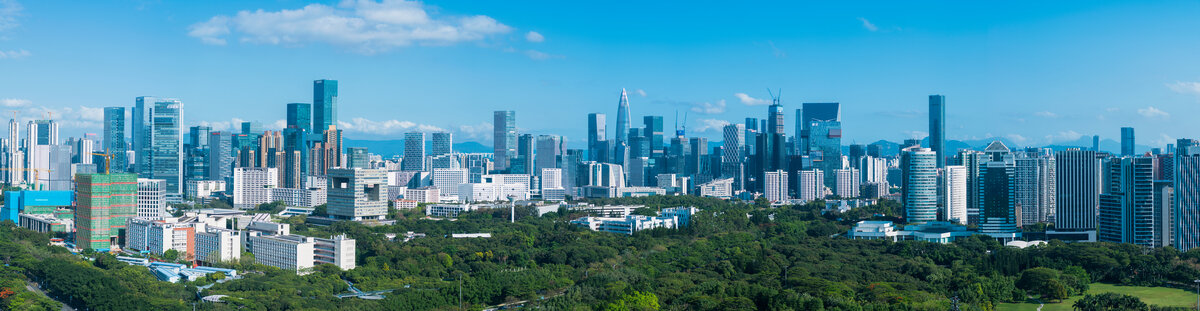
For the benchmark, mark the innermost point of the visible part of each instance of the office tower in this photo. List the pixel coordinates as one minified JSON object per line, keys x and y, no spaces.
{"x":151,"y":198}
{"x":602,"y":175}
{"x":623,"y":124}
{"x":252,"y":128}
{"x":847,"y":182}
{"x":1096,"y":143}
{"x":855,"y":154}
{"x":1127,"y":213}
{"x":775,"y":118}
{"x":1127,"y":142}
{"x":731,"y":161}
{"x":103,"y":203}
{"x":997,"y":198}
{"x":42,"y":133}
{"x":954,"y":202}
{"x":357,"y":193}
{"x":695,"y":164}
{"x":875,"y":150}
{"x":299,"y":115}
{"x":751,"y":132}
{"x":1035,"y":185}
{"x":550,"y":149}
{"x":270,"y":151}
{"x":324,"y":108}
{"x":973,"y":162}
{"x":919,"y":184}
{"x":775,"y":187}
{"x":220,"y":155}
{"x":937,"y":127}
{"x":825,"y":146}
{"x":596,"y":135}
{"x":653,"y":133}
{"x":357,"y":157}
{"x":448,"y":179}
{"x":1078,"y":186}
{"x":114,"y":139}
{"x":523,"y":162}
{"x":817,"y":112}
{"x":443,"y":143}
{"x":552,"y":178}
{"x":811,"y":185}
{"x":874,"y":170}
{"x":83,"y":148}
{"x":1164,"y":207}
{"x":1186,"y":211}
{"x":58,"y":175}
{"x":14,"y":155}
{"x":296,"y":157}
{"x":504,"y":134}
{"x":414,"y":152}
{"x":158,"y":140}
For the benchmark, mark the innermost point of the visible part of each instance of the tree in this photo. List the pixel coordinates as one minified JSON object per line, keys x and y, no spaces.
{"x":1054,"y":290}
{"x":1110,"y":301}
{"x":170,"y":255}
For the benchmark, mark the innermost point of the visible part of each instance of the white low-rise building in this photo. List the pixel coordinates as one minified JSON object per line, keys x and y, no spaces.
{"x":405,"y":204}
{"x":449,"y":210}
{"x":937,"y":231}
{"x":204,"y":188}
{"x":492,"y":192}
{"x":218,"y":245}
{"x":151,"y":198}
{"x":159,"y":235}
{"x":423,"y":194}
{"x":668,"y":218}
{"x":719,"y":188}
{"x":301,"y":253}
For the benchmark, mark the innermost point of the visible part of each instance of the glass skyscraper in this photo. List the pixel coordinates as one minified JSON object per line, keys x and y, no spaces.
{"x":654,"y":135}
{"x":504,"y":138}
{"x":1078,"y":189}
{"x":166,"y":144}
{"x":937,"y":127}
{"x":299,"y":115}
{"x":919,"y":184}
{"x":324,"y":112}
{"x":1127,"y":141}
{"x":443,"y":143}
{"x":825,"y":146}
{"x":114,"y":142}
{"x":414,"y":152}
{"x":597,"y":150}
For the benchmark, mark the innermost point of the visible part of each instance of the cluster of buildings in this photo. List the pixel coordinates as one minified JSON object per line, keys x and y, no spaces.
{"x":615,"y":221}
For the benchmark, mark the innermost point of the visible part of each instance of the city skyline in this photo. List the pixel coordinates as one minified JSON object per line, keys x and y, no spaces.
{"x":1003,"y":90}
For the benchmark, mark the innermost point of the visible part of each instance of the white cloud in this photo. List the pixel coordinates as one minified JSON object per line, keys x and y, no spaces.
{"x":15,"y":102}
{"x":82,"y":117}
{"x":9,"y":10}
{"x":709,"y":108}
{"x":867,"y":24}
{"x":1045,"y":114}
{"x":366,"y":26}
{"x":1164,"y":140}
{"x":14,"y":54}
{"x":1151,"y":112}
{"x":751,"y":101}
{"x":640,"y":92}
{"x":1016,"y":138}
{"x":277,"y":125}
{"x":534,"y":36}
{"x":1062,"y":136}
{"x":539,"y":55}
{"x":918,"y":134}
{"x":707,"y":125}
{"x":481,"y":131}
{"x":1185,"y":87}
{"x":386,"y":127}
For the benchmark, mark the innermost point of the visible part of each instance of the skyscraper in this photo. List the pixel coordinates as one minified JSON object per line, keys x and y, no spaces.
{"x":825,"y":146}
{"x":1035,"y":185}
{"x":324,"y":112}
{"x":1127,"y":141}
{"x":550,"y":150}
{"x":811,"y":185}
{"x":1096,"y":143}
{"x":623,"y":124}
{"x":443,"y":143}
{"x":817,"y":112}
{"x":523,"y":163}
{"x":775,"y":118}
{"x":1187,"y":195}
{"x":114,"y":139}
{"x":937,"y":127}
{"x":653,"y":133}
{"x":220,"y":156}
{"x":919,"y":184}
{"x":357,"y":157}
{"x":597,"y":150}
{"x":504,"y":134}
{"x":299,"y":115}
{"x":1078,"y":186}
{"x":414,"y":152}
{"x":158,"y":140}
{"x":1127,"y":212}
{"x":731,"y":160}
{"x":955,"y":200}
{"x":775,"y":187}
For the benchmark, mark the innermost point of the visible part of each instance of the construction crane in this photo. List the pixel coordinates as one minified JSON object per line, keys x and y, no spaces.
{"x":107,"y":161}
{"x":36,"y":172}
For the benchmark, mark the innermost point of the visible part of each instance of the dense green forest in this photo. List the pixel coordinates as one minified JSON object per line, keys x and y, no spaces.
{"x":734,"y":256}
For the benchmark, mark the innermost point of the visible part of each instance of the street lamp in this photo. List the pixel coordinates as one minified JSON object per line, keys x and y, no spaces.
{"x":1197,"y":294}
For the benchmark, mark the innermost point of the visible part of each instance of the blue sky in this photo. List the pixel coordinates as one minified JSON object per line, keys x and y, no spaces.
{"x":1036,"y":72}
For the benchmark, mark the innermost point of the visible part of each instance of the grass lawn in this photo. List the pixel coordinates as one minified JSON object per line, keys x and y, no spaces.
{"x":1160,"y":296}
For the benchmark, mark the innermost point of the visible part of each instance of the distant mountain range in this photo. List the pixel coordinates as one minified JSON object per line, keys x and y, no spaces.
{"x":395,"y":147}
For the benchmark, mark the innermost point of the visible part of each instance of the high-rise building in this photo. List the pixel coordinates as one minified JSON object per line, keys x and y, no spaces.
{"x":919,"y":184}
{"x":324,"y":109}
{"x":731,"y":160}
{"x":775,"y":118}
{"x":295,"y":157}
{"x":158,"y":140}
{"x":523,"y":163}
{"x":1078,"y":186}
{"x":817,"y":112}
{"x":621,"y":145}
{"x":504,"y":134}
{"x":847,"y":183}
{"x":414,"y":152}
{"x":446,"y":180}
{"x":811,"y":185}
{"x":252,"y":128}
{"x":1035,"y":185}
{"x":955,"y":199}
{"x":443,"y":143}
{"x":1127,"y":142}
{"x":775,"y":187}
{"x":220,"y":155}
{"x":151,"y":198}
{"x":103,"y":204}
{"x":825,"y":146}
{"x":114,"y":139}
{"x":1186,"y":212}
{"x":299,"y":115}
{"x":550,"y":150}
{"x":653,"y":133}
{"x":1096,"y":143}
{"x":1127,"y":213}
{"x":14,"y":155}
{"x":357,"y":157}
{"x":997,"y":191}
{"x":597,"y":150}
{"x":937,"y":127}
{"x":973,"y":162}
{"x":327,"y":153}
{"x":357,"y":193}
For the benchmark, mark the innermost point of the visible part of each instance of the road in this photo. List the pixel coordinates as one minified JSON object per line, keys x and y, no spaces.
{"x":33,"y":288}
